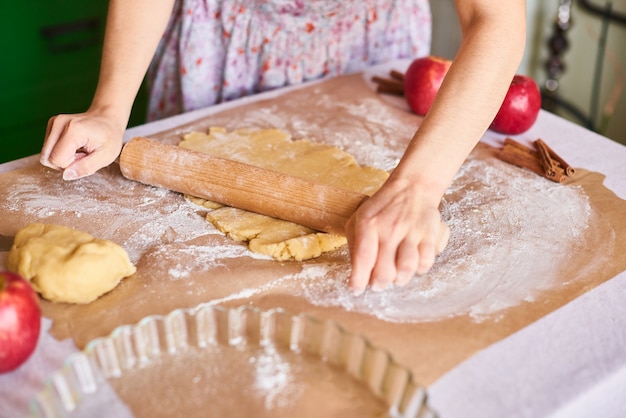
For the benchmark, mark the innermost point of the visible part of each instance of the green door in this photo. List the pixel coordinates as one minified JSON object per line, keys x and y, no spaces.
{"x":50,"y":53}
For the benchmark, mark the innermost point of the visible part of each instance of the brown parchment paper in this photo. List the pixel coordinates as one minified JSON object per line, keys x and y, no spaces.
{"x":179,"y":265}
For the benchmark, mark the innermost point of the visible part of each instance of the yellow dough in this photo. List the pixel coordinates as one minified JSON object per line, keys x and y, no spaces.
{"x":67,"y":265}
{"x":273,"y":149}
{"x":279,"y":239}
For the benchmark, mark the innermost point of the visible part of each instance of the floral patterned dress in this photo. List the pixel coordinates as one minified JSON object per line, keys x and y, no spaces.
{"x":218,"y":50}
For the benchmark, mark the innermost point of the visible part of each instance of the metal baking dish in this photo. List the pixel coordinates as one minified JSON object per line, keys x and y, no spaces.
{"x":216,"y":361}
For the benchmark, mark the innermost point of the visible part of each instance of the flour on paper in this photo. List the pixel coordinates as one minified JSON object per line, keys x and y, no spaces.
{"x":274,"y":149}
{"x":137,"y":218}
{"x":503,"y":222}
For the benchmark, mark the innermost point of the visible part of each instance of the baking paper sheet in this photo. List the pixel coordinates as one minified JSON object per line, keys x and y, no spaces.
{"x":159,"y":229}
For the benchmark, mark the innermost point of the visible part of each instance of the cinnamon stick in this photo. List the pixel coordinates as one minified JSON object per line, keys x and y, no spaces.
{"x":393,"y":85}
{"x":518,"y":154}
{"x":389,"y":86}
{"x":521,"y":156}
{"x":387,"y":82}
{"x":568,"y":169}
{"x":389,"y":90}
{"x":522,"y":147}
{"x":547,"y":162}
{"x":397,"y":75}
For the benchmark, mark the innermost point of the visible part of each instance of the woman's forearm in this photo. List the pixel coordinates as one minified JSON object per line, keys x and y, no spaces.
{"x":471,"y":94}
{"x":133,"y":31}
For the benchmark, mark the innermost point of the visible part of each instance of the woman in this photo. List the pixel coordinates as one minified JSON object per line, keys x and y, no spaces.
{"x":397,"y":232}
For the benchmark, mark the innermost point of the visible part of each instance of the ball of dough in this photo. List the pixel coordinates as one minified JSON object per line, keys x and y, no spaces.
{"x":67,"y":265}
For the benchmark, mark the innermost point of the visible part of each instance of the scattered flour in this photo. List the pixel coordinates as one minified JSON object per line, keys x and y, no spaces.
{"x":503,"y":222}
{"x":502,"y":226}
{"x":197,"y":258}
{"x":273,"y":379}
{"x":160,"y":217}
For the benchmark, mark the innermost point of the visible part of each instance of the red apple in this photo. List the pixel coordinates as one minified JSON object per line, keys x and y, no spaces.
{"x":520,"y":107}
{"x":20,"y":320}
{"x":422,"y":81}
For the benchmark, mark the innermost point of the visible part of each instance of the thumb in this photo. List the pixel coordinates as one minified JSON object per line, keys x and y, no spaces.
{"x":444,"y":237}
{"x":85,"y":165}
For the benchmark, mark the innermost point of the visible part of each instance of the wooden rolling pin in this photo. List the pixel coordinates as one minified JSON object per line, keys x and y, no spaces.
{"x":244,"y":186}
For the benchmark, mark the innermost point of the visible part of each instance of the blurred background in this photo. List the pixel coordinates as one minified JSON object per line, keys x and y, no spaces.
{"x":50,"y":63}
{"x":586,"y":50}
{"x":51,"y":54}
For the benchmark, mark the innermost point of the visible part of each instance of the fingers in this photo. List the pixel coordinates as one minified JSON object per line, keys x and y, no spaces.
{"x":444,"y":237}
{"x":83,"y":166}
{"x":363,"y":251}
{"x":430,"y":246}
{"x":54,"y":130}
{"x":64,"y":144}
{"x":407,"y":262}
{"x":385,"y":270}
{"x":380,"y":260}
{"x":79,"y":145}
{"x":89,"y":161}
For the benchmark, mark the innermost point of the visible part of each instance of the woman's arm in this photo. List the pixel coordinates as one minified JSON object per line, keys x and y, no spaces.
{"x":81,"y":144}
{"x":398,"y":231}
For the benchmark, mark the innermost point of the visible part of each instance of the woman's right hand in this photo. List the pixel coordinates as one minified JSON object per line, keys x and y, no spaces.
{"x":81,"y":144}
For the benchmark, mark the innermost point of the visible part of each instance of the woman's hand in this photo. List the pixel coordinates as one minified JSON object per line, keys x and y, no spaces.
{"x":394,"y":235}
{"x":398,"y":231}
{"x":81,"y":144}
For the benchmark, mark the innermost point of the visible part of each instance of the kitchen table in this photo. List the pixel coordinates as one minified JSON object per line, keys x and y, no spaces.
{"x":570,"y":362}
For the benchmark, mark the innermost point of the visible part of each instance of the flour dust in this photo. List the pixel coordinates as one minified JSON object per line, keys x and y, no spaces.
{"x":107,"y":205}
{"x":503,"y":222}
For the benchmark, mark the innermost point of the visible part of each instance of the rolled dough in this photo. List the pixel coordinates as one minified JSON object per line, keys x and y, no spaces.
{"x":67,"y":265}
{"x":274,"y":149}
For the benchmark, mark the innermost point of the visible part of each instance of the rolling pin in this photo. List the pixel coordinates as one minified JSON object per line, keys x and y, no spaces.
{"x":321,"y":207}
